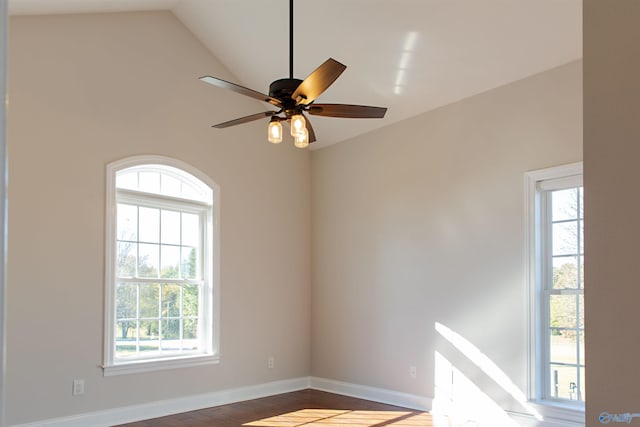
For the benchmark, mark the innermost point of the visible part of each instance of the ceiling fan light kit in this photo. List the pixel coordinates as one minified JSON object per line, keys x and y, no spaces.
{"x":294,"y":96}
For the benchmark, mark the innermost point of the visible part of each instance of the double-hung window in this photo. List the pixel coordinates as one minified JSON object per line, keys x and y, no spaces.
{"x":161,"y":294}
{"x":556,"y":286}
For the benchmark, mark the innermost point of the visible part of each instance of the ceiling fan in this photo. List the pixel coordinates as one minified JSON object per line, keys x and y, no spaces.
{"x":294,"y":97}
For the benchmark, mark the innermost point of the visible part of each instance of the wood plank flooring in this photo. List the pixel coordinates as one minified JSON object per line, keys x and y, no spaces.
{"x":307,"y":408}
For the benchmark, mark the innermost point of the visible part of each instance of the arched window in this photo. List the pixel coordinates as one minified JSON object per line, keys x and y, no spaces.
{"x":161,"y":266}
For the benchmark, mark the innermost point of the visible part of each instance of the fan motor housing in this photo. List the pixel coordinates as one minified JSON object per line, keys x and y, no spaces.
{"x":283,"y":89}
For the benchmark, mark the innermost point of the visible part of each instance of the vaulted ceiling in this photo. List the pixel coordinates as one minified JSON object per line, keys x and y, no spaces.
{"x":411,"y":56}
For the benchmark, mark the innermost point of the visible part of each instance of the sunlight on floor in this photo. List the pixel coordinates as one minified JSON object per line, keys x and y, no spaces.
{"x":351,"y":418}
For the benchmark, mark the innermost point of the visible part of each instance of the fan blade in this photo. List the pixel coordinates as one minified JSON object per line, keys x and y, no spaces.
{"x":347,"y":111}
{"x":312,"y":134}
{"x":246,"y":119}
{"x":318,"y":81}
{"x":240,"y":89}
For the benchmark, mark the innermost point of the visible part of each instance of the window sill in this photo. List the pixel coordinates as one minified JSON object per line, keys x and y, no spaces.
{"x":158,"y":364}
{"x":560,"y":411}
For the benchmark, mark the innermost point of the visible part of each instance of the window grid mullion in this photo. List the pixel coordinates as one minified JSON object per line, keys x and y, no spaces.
{"x":160,"y":323}
{"x":580,"y":242}
{"x":138,"y":240}
{"x":181,"y":320}
{"x":159,"y":311}
{"x":580,"y":248}
{"x":565,"y":291}
{"x":137,"y":319}
{"x":156,"y":280}
{"x":578,"y":361}
{"x":547,"y":246}
{"x":159,"y":272}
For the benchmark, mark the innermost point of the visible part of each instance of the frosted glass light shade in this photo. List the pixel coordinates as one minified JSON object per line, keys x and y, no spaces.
{"x":297,"y":124}
{"x":275,"y":132}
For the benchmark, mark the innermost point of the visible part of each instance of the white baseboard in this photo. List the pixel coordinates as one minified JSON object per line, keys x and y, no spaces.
{"x":406,"y":400}
{"x":129,"y":414}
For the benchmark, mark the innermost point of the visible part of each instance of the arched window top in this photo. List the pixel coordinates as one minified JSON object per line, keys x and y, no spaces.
{"x":165,"y":180}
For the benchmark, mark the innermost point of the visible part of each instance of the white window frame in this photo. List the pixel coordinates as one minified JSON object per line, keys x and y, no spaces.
{"x":568,"y":176}
{"x":211,"y":253}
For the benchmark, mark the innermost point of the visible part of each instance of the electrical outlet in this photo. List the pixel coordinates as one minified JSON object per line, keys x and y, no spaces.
{"x":78,"y":387}
{"x":270,"y":362}
{"x":413,"y":372}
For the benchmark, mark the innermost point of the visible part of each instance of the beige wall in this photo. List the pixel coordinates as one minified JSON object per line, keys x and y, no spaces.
{"x":88,"y":90}
{"x":612,"y":150}
{"x":422,"y":222}
{"x":416,"y":223}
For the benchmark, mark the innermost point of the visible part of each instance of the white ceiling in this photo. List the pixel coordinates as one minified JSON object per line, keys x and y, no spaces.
{"x":408,"y":55}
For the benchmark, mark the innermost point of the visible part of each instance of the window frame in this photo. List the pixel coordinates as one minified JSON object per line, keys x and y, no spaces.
{"x":536,"y":269}
{"x":211,"y":267}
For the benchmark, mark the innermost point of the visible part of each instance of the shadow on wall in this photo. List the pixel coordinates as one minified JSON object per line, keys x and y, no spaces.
{"x":468,"y":384}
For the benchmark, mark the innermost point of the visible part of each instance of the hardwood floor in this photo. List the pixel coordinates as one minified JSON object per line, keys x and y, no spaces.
{"x":301,"y":408}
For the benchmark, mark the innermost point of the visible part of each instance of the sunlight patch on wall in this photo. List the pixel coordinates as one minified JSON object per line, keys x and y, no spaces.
{"x":464,"y":401}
